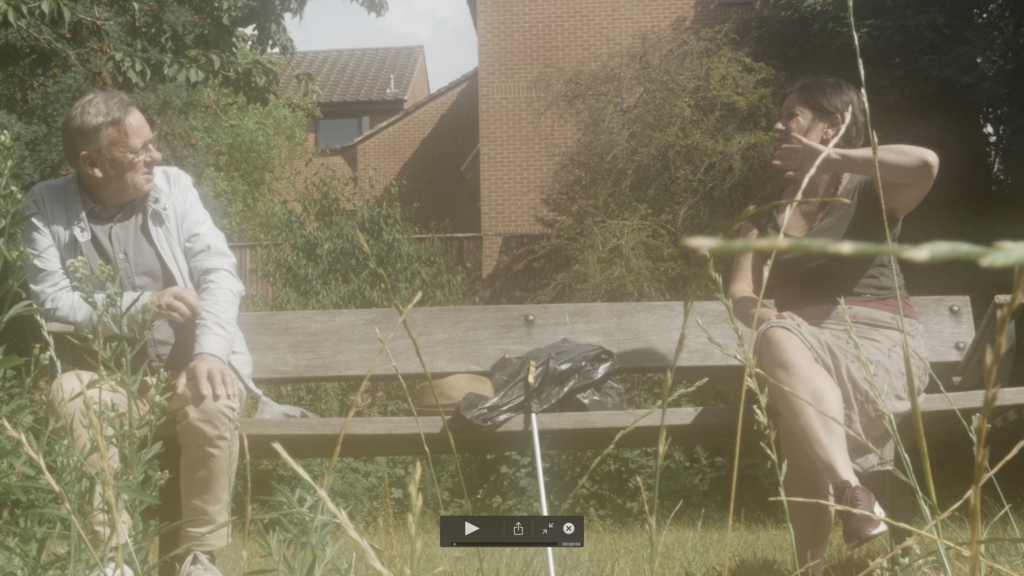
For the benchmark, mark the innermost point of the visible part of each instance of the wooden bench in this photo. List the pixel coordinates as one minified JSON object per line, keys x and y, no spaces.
{"x":335,"y":345}
{"x":342,"y":345}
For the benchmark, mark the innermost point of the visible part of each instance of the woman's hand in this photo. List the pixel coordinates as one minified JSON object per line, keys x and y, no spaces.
{"x":789,"y":316}
{"x":907,"y":171}
{"x":797,"y":158}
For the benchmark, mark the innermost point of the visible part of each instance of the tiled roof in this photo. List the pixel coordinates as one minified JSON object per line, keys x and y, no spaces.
{"x":414,"y":108}
{"x":355,"y":74}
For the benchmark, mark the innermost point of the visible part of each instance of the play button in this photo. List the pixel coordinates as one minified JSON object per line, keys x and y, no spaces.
{"x":470,"y":528}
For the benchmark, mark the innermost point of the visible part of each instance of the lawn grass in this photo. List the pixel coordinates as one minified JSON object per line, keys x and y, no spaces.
{"x":693,"y":546}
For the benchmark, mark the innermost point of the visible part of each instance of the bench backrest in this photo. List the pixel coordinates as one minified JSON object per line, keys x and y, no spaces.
{"x":342,"y":344}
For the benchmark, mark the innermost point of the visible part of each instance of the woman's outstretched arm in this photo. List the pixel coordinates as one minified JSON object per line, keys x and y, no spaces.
{"x":907,"y":171}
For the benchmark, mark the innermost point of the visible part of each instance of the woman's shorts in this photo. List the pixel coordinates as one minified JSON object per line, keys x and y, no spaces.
{"x":865,"y":359}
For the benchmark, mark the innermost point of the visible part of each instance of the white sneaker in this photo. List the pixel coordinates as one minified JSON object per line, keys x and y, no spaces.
{"x":111,"y":570}
{"x":198,"y":564}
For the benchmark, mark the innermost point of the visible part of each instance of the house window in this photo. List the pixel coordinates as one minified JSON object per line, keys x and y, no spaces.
{"x":336,"y":132}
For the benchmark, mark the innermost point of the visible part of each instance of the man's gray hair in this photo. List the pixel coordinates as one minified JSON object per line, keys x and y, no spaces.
{"x":87,"y":119}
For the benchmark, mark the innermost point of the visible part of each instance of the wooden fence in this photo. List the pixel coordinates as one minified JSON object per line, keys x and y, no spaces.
{"x":465,"y":254}
{"x":247,"y":257}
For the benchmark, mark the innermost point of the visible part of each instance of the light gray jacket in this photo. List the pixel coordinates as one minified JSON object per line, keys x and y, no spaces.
{"x":186,"y":238}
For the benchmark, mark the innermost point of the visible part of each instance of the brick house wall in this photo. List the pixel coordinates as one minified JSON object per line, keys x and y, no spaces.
{"x":519,"y":40}
{"x":423,"y":149}
{"x":420,"y":87}
{"x":376,"y":84}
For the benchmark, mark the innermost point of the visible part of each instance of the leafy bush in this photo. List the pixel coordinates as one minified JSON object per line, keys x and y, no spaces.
{"x":672,"y":140}
{"x":16,"y":335}
{"x":315,"y":259}
{"x":240,"y":155}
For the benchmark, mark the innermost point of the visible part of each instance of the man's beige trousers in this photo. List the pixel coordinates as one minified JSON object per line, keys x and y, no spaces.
{"x":207,"y":430}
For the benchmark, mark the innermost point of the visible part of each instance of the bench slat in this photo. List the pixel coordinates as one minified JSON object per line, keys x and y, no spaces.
{"x":339,"y":344}
{"x":568,"y":430}
{"x":394,"y":436}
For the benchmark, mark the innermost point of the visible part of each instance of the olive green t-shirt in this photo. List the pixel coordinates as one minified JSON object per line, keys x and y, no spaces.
{"x":810,"y":279}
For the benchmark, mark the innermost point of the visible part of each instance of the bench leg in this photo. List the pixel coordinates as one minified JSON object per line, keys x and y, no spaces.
{"x":170,"y":505}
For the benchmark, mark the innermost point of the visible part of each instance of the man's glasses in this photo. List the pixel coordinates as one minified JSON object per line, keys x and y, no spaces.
{"x":140,"y":153}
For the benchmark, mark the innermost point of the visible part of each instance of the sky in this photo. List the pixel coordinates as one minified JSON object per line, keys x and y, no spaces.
{"x":443,"y":27}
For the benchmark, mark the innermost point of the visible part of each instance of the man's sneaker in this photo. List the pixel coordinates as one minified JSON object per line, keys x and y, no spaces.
{"x":858,"y":529}
{"x":198,"y":564}
{"x":112,"y":570}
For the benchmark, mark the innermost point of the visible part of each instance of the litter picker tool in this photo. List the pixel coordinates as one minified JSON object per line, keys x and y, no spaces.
{"x":532,"y":407}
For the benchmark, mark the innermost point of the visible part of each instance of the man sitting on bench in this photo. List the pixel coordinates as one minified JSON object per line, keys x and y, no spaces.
{"x":146,"y":222}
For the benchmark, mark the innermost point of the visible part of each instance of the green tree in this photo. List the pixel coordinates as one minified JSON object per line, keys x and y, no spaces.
{"x":54,"y":51}
{"x":240,"y":155}
{"x":671,"y":140}
{"x":946,"y":74}
{"x":132,"y":45}
{"x":31,"y":111}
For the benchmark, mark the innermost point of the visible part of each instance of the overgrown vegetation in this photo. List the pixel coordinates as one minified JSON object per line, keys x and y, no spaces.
{"x":315,"y":258}
{"x":506,"y":484}
{"x":241,"y":156}
{"x":17,"y":403}
{"x":671,"y":141}
{"x":46,"y":491}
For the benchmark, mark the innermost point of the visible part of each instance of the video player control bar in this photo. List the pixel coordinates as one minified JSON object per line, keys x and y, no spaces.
{"x":512,"y":531}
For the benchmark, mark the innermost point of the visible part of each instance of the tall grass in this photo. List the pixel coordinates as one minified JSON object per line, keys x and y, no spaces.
{"x":43,"y":545}
{"x":290,"y":533}
{"x":309,"y":532}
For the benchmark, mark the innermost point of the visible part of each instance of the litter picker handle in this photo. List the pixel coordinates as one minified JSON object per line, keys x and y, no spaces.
{"x":532,"y":401}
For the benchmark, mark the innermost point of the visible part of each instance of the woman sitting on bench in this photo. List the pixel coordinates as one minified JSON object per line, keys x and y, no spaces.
{"x":817,"y":380}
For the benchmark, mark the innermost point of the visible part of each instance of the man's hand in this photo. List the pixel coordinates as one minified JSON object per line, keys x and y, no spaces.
{"x":209,"y":373}
{"x":176,"y":304}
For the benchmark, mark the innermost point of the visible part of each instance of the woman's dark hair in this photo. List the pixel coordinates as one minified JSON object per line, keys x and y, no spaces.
{"x":828,"y":96}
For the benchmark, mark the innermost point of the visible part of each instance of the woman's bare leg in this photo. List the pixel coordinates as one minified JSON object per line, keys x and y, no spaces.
{"x":810,"y":402}
{"x":812,"y":523}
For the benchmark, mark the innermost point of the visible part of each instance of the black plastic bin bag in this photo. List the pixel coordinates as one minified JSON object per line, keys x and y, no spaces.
{"x":569,"y":377}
